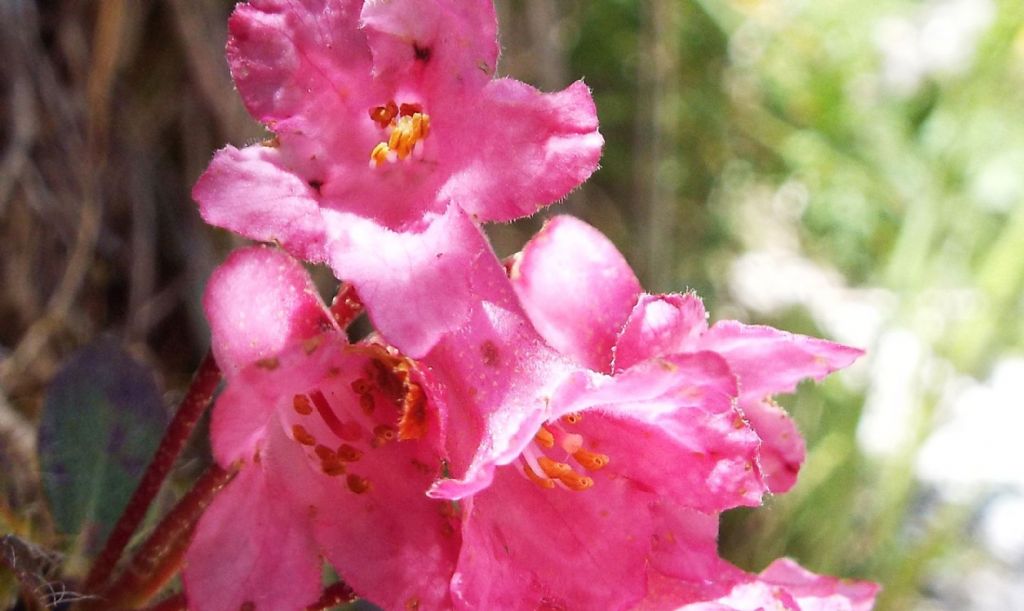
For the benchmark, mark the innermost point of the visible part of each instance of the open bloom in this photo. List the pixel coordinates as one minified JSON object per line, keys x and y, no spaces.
{"x":335,"y":444}
{"x":603,"y":454}
{"x":385,"y":114}
{"x":583,"y":298}
{"x":568,"y":480}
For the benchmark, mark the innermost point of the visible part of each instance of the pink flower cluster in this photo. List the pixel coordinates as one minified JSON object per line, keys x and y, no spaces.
{"x":540,"y":434}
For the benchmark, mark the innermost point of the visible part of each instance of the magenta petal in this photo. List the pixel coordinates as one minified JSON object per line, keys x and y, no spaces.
{"x":244,"y":411}
{"x":577,"y":290}
{"x":530,"y":548}
{"x":534,"y":150}
{"x":449,"y":46}
{"x":671,"y":425}
{"x":768,"y":361}
{"x":248,"y":192}
{"x":252,"y":545}
{"x":415,"y":285}
{"x":782,"y":447}
{"x":499,"y":377}
{"x":387,"y":539}
{"x":784,"y":585}
{"x":259,"y":301}
{"x":820,"y":592}
{"x":291,"y":59}
{"x":684,"y":545}
{"x":660,"y":325}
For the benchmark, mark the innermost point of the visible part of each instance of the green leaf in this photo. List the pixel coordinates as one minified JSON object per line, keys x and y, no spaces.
{"x":102,"y":421}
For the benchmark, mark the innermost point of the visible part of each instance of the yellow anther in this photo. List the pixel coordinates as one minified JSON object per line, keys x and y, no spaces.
{"x":552,"y":468}
{"x":379,"y":154}
{"x":572,"y":418}
{"x":575,"y":481}
{"x":420,"y":125}
{"x":410,"y":128}
{"x":591,"y":461}
{"x":545,"y":438}
{"x":396,"y":134}
{"x":543,"y":482}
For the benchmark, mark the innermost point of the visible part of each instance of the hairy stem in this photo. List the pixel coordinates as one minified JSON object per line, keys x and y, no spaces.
{"x":160,"y":556}
{"x":197,"y":399}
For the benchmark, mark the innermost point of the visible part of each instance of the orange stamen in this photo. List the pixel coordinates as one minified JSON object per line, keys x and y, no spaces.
{"x":333,"y":467}
{"x":325,"y":453}
{"x":347,"y":453}
{"x":302,"y":405}
{"x":383,"y":433}
{"x":543,"y":482}
{"x":361,"y":386}
{"x":591,"y":461}
{"x":575,"y":481}
{"x":303,"y":436}
{"x":552,"y":468}
{"x":572,"y":418}
{"x":545,"y":438}
{"x":357,"y":484}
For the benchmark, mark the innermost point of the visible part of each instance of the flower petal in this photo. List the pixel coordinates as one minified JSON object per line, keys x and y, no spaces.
{"x":247,"y":191}
{"x":499,"y":376}
{"x":292,"y":59}
{"x":820,"y":592}
{"x":449,"y":47}
{"x":258,"y":302}
{"x":782,"y":450}
{"x":660,"y":325}
{"x":532,"y":150}
{"x":577,"y":290}
{"x":244,"y":411}
{"x":685,"y":545}
{"x":252,"y":545}
{"x":670,"y":425}
{"x":417,"y":285}
{"x":768,"y":361}
{"x":531,"y":548}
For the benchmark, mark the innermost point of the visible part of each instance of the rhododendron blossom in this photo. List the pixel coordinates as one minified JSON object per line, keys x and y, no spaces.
{"x":585,"y":301}
{"x":567,"y":477}
{"x":384,"y":115}
{"x":336,"y":445}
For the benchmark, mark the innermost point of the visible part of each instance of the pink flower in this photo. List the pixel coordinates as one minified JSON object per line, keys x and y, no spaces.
{"x":784,"y":585}
{"x":586,"y":302}
{"x":570,"y":480}
{"x":336,"y":445}
{"x":384,"y":115}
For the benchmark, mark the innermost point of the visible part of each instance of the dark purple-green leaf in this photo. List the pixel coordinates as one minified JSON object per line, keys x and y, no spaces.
{"x":102,"y":420}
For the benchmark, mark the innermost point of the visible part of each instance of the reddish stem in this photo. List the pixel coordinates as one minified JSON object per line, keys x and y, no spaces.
{"x":200,"y":392}
{"x":335,"y":594}
{"x":160,"y":556}
{"x":346,"y":305}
